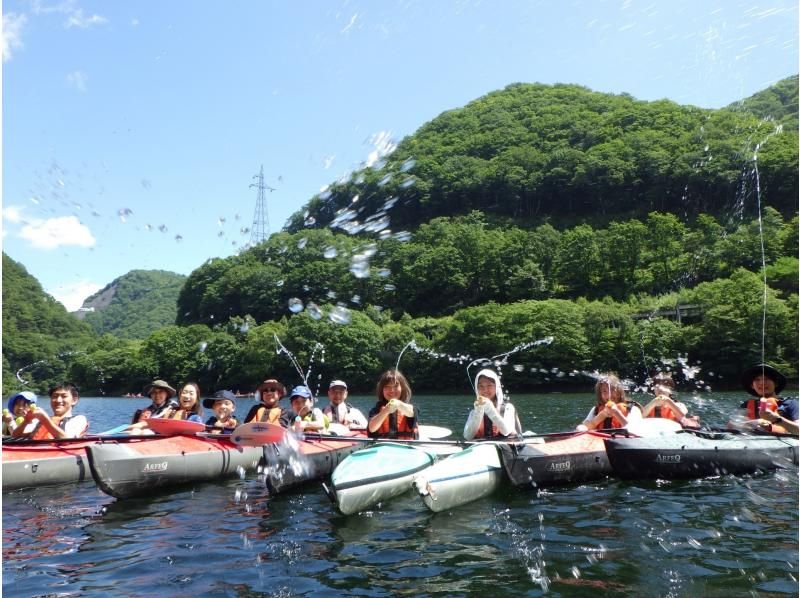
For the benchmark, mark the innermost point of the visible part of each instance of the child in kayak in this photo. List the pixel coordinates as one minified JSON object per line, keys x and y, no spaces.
{"x":18,"y":405}
{"x":664,"y":406}
{"x":189,"y":404}
{"x":307,"y":418}
{"x":340,"y":411}
{"x":37,"y":425}
{"x":612,"y":409}
{"x":224,"y":404}
{"x":766,"y":411}
{"x":393,"y":416}
{"x":492,"y":416}
{"x":270,"y":392}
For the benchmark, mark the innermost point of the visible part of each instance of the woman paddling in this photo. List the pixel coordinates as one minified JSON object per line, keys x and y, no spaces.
{"x":766,"y":411}
{"x":612,"y":409}
{"x":492,"y":416}
{"x":393,"y":416}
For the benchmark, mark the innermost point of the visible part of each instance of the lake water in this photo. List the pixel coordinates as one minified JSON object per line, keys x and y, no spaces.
{"x":725,"y":536}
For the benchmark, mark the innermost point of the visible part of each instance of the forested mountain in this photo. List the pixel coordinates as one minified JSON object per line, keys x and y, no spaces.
{"x":778,"y":103}
{"x":36,"y":328}
{"x":134,"y":305}
{"x":565,"y":154}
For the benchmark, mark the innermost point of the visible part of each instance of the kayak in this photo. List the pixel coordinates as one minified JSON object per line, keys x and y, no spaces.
{"x":30,"y":463}
{"x":462,"y":477}
{"x":145,"y":464}
{"x":294,"y":462}
{"x":380,"y":472}
{"x":556,"y":459}
{"x":697,"y":454}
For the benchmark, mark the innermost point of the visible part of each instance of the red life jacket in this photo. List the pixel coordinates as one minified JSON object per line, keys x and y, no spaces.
{"x":42,"y":433}
{"x":487,"y":428}
{"x":754,"y":411}
{"x":666,"y":413}
{"x":614,"y":422}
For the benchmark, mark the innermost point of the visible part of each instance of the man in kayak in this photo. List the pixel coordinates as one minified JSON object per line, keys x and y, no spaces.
{"x":223,"y":404}
{"x":766,"y":411}
{"x":270,"y":392}
{"x":37,"y":425}
{"x":340,"y":411}
{"x":492,"y":416}
{"x":160,"y":392}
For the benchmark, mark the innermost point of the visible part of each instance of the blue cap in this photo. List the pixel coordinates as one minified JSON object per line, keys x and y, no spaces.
{"x":300,"y":391}
{"x":25,"y":394}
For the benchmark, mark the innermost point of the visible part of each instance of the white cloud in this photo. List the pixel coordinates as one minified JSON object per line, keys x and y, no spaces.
{"x":134,"y":22}
{"x":12,"y":33}
{"x":12,"y":213}
{"x":57,"y":232}
{"x":73,"y":295}
{"x":76,"y":18}
{"x":78,"y":79}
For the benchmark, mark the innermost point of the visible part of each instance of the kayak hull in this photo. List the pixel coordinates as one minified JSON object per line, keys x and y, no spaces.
{"x":148,"y":464}
{"x":471,"y":474}
{"x":697,"y":455}
{"x":566,"y":459}
{"x":377,"y":474}
{"x":32,"y":464}
{"x":291,"y":464}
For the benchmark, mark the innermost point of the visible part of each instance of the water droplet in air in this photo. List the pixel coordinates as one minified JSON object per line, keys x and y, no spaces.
{"x":295,"y":305}
{"x":279,"y":284}
{"x":163,"y":228}
{"x":330,"y":252}
{"x":408,"y":165}
{"x":340,"y":315}
{"x":301,"y":244}
{"x":203,"y":346}
{"x":314,"y":311}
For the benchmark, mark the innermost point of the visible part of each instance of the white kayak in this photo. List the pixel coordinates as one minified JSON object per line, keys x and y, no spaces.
{"x":462,"y":477}
{"x":381,"y":472}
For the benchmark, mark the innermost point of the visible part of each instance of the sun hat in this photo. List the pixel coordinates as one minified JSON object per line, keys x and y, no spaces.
{"x":766,"y":370}
{"x":220,"y":395}
{"x":271,"y":382}
{"x":25,"y":394}
{"x":338,"y":383}
{"x":159,"y":384}
{"x":300,"y":391}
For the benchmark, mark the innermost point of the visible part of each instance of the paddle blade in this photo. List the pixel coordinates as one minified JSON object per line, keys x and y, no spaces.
{"x":258,"y":434}
{"x":174,"y":427}
{"x":433,"y":432}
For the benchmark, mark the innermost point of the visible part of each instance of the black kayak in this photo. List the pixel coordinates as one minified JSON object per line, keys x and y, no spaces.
{"x":696,"y":453}
{"x":556,"y":459}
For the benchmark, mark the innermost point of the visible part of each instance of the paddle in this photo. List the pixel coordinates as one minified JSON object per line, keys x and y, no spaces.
{"x":174,"y":427}
{"x":434,"y":432}
{"x":653,"y":426}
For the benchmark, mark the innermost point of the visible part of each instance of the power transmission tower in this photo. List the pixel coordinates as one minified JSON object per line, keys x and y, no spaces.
{"x":260,"y":230}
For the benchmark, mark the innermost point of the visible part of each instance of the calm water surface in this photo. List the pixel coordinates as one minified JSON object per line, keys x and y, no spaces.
{"x":714,"y":537}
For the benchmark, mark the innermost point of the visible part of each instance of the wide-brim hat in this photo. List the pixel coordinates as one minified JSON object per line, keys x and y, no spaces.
{"x":766,"y":370}
{"x":220,"y":395}
{"x":159,"y":384}
{"x":271,"y":382}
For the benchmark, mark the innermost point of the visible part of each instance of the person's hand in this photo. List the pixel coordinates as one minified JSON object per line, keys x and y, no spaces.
{"x":770,"y":416}
{"x":391,"y":406}
{"x":229,"y":424}
{"x":480,"y":402}
{"x":7,"y":416}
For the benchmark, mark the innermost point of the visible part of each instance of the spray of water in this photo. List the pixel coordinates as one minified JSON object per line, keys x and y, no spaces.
{"x":293,"y":360}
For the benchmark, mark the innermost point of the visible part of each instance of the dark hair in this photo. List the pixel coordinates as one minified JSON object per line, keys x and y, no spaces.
{"x":68,"y":386}
{"x":662,"y":379}
{"x":611,"y":380}
{"x":197,"y":407}
{"x":390,"y":377}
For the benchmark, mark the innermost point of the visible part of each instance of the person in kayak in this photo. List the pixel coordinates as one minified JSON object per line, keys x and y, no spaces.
{"x":612,"y":409}
{"x":270,"y":392}
{"x":664,"y":406}
{"x":37,"y":425}
{"x":492,"y":416}
{"x":306,"y":418}
{"x":767,"y":411}
{"x":393,"y":416}
{"x":224,"y":405}
{"x":160,"y":394}
{"x":18,"y":406}
{"x":339,"y":411}
{"x":189,"y":408}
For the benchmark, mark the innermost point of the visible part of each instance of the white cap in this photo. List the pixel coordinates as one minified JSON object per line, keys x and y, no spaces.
{"x":336,"y":383}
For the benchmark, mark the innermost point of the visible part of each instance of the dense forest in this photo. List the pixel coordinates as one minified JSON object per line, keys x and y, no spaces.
{"x":575,"y":230}
{"x":136,"y":304}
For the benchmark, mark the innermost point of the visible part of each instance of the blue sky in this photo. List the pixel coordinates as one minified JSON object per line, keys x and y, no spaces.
{"x":132,"y":130}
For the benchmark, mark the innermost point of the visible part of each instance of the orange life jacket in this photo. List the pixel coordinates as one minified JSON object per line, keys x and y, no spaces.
{"x":271,"y":416}
{"x":42,"y":433}
{"x":666,"y":413}
{"x":754,"y":411}
{"x":397,"y":425}
{"x":614,"y":422}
